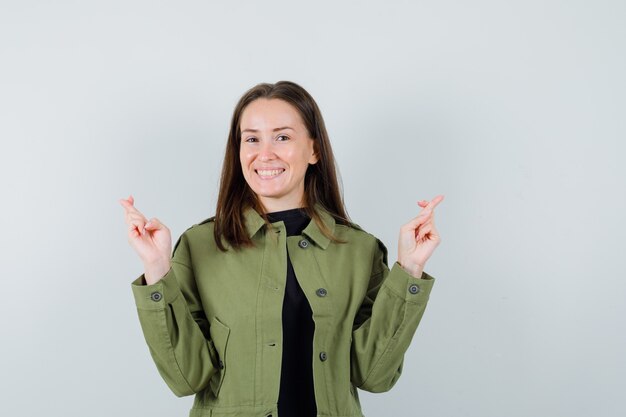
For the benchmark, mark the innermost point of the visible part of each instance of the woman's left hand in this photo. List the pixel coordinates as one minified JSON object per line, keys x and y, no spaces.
{"x":419,"y":238}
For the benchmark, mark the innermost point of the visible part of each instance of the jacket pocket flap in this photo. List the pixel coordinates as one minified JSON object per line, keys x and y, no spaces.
{"x":219,"y":339}
{"x":219,"y":334}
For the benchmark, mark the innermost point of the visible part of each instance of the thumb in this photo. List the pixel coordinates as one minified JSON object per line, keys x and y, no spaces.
{"x":153,"y":224}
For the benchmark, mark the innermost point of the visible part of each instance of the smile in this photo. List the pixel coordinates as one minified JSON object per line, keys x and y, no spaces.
{"x":269,"y":174}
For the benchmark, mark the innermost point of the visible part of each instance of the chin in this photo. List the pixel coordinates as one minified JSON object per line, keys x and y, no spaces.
{"x":269,"y":195}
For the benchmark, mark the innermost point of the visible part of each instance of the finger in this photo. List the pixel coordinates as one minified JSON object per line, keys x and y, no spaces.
{"x":126,"y":202}
{"x":138,"y":222}
{"x":126,"y":205}
{"x":430,"y":232}
{"x":415,"y":223}
{"x":422,"y":226}
{"x":423,"y":231}
{"x":425,"y":213}
{"x":129,"y":200}
{"x":134,"y":229}
{"x":429,"y":220}
{"x":134,"y":232}
{"x":154,"y":224}
{"x":435,"y":201}
{"x":130,"y":209}
{"x":136,"y":216}
{"x":431,"y":205}
{"x":137,"y":225}
{"x":426,"y":222}
{"x":424,"y":216}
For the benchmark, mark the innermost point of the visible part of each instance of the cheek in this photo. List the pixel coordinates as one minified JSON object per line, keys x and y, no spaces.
{"x":244,"y":158}
{"x":293,"y":157}
{"x":244,"y":167}
{"x":303,"y":160}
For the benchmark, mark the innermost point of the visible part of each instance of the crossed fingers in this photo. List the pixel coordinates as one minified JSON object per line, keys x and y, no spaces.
{"x":134,"y":218}
{"x":423,"y":223}
{"x":426,"y":213}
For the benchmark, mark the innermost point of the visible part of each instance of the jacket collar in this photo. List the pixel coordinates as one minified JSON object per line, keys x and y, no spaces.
{"x":254,"y":222}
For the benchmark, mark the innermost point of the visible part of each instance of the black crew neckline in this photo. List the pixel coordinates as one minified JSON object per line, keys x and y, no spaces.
{"x":289,"y":213}
{"x":295,"y":219}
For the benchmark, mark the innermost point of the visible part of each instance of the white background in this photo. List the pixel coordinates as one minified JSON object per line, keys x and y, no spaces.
{"x":514,"y":110}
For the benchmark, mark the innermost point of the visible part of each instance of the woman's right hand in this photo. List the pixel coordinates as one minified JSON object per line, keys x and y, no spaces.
{"x":151,"y":239}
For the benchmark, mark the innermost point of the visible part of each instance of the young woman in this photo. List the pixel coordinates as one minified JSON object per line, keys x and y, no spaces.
{"x":279,"y":305}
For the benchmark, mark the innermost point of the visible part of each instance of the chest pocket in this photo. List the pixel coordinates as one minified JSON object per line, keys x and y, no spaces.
{"x":219,"y":342}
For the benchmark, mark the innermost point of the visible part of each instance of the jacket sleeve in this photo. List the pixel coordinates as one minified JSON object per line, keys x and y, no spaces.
{"x":385,"y":323}
{"x":175,"y":326}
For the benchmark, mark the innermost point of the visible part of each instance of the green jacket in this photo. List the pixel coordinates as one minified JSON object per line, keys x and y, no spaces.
{"x":213,"y":323}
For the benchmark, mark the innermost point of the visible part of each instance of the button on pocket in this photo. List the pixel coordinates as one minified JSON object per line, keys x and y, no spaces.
{"x":156,"y":296}
{"x":219,"y":338}
{"x":303,"y":243}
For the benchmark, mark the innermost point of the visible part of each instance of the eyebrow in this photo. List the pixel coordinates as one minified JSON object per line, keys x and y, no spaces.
{"x":275,"y":130}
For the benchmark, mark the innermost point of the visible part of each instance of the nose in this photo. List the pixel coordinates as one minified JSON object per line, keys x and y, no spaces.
{"x":266,"y":151}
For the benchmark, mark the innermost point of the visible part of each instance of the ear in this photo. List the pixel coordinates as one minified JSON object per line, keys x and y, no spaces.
{"x":315,"y":155}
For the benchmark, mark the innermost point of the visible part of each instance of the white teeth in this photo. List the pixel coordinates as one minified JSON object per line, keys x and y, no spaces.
{"x":271,"y":173}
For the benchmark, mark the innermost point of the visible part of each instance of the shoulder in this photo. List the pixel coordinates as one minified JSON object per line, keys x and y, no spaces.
{"x":197,"y":230}
{"x":355,"y":231}
{"x":203,"y":224}
{"x":210,"y":219}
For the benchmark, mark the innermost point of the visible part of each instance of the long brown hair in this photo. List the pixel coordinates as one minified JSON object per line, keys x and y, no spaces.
{"x":320,"y":181}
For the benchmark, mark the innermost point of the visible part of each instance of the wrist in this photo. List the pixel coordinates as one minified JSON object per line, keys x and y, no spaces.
{"x":414,"y":270}
{"x":153,"y":272}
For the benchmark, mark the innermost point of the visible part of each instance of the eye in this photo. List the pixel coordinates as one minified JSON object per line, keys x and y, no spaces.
{"x":283,"y":136}
{"x":248,"y":139}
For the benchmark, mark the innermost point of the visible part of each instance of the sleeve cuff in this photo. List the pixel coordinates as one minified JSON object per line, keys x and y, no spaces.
{"x":405,"y":285}
{"x":155,"y":296}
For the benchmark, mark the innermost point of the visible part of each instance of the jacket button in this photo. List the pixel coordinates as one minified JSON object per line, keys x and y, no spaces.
{"x":221,"y":364}
{"x":414,"y":289}
{"x":323,"y":356}
{"x":156,"y":296}
{"x":321,"y":292}
{"x":303,"y":243}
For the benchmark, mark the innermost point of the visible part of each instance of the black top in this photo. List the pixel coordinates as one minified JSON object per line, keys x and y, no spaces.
{"x":296,"y":397}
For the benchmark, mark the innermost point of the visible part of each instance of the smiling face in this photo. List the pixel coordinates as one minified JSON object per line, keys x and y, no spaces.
{"x":275,"y":152}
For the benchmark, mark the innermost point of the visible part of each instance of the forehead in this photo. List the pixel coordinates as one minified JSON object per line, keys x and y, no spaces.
{"x":265,"y":113}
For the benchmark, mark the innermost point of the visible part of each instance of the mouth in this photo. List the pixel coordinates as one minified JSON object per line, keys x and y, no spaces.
{"x":268,"y":174}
